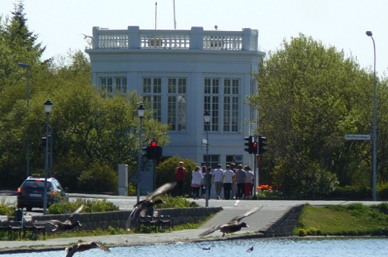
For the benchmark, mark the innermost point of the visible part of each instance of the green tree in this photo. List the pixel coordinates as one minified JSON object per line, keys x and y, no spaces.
{"x":18,"y":45}
{"x":310,"y":96}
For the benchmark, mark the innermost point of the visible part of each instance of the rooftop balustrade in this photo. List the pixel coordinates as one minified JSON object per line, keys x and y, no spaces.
{"x":194,"y":39}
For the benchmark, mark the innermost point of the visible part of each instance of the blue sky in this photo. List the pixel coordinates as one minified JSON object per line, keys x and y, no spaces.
{"x":339,"y":23}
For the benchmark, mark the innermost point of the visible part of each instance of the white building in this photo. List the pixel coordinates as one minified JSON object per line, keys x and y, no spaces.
{"x":182,"y":74}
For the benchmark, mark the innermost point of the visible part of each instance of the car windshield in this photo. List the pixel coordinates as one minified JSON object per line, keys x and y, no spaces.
{"x":36,"y":184}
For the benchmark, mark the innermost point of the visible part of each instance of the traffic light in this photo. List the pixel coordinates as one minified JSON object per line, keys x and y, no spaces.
{"x":262,"y":145}
{"x":251,"y":145}
{"x":248,"y":144}
{"x":153,"y":151}
{"x":254,"y":147}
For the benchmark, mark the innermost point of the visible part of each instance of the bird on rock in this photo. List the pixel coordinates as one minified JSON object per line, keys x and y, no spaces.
{"x":147,"y":203}
{"x":233,"y":225}
{"x":70,"y":251}
{"x":68,"y":224}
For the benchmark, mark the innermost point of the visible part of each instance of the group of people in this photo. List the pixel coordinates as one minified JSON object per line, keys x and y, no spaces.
{"x":236,"y":181}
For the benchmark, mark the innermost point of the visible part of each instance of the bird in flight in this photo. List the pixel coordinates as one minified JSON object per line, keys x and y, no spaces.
{"x":147,"y":203}
{"x":68,"y":224}
{"x":70,"y":251}
{"x":233,"y":225}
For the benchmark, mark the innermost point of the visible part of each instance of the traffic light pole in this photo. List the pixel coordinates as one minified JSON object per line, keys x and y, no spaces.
{"x":256,"y":173}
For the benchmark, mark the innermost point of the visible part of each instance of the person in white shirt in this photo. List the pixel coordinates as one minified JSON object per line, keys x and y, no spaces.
{"x":227,"y":180}
{"x":217,"y":180}
{"x":196,"y":181}
{"x":249,"y":179}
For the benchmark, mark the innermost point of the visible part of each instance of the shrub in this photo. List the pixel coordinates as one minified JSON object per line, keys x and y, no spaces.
{"x":6,"y":208}
{"x":90,"y":206}
{"x":165,"y":172}
{"x":98,"y":178}
{"x":352,"y":193}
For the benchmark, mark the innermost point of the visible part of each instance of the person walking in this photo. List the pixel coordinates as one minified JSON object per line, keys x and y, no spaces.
{"x":217,"y":180}
{"x":180,"y":173}
{"x":208,"y":181}
{"x":228,"y":177}
{"x":248,"y":182}
{"x":196,"y":181}
{"x":234,"y":182}
{"x":240,"y":180}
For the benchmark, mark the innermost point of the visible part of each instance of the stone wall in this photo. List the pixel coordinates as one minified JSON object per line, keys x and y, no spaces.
{"x":284,"y":225}
{"x":118,"y":219}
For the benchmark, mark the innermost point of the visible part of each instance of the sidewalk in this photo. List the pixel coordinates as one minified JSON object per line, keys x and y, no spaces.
{"x":271,"y":212}
{"x":256,"y":222}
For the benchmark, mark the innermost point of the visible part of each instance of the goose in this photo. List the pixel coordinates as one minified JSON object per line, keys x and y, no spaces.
{"x":70,"y":251}
{"x":233,"y":225}
{"x":147,"y":203}
{"x":68,"y":224}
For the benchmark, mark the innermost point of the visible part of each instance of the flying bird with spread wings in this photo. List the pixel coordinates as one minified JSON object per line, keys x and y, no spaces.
{"x":70,"y":251}
{"x":147,"y":203}
{"x":68,"y":224}
{"x":233,"y":225}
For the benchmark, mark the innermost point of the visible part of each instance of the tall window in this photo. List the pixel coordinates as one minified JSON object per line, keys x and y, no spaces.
{"x":176,"y":104}
{"x":221,"y":100}
{"x":152,"y":93}
{"x":113,"y":85}
{"x":231,"y":104}
{"x":211,"y":101}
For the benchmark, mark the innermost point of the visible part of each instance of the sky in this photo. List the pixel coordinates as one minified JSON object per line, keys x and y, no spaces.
{"x":342,"y":24}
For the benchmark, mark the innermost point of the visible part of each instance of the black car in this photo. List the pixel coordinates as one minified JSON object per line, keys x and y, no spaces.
{"x":30,"y":193}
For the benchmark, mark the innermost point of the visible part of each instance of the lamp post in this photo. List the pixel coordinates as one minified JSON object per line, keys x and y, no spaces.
{"x":374,"y":133}
{"x":27,"y":67}
{"x":140,"y":113}
{"x":48,"y":105}
{"x":206,"y":119}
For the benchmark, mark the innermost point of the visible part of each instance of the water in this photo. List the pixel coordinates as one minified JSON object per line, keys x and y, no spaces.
{"x":267,"y":247}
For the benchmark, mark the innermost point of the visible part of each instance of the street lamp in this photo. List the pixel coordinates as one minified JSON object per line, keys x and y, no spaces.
{"x":27,"y":67}
{"x":48,"y":105}
{"x":140,"y":113}
{"x":206,"y":119}
{"x":374,"y":133}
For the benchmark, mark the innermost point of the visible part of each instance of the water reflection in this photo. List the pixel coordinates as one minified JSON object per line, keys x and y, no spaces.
{"x":268,"y":247}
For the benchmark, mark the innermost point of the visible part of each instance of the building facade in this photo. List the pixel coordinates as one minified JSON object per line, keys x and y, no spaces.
{"x":182,"y":74}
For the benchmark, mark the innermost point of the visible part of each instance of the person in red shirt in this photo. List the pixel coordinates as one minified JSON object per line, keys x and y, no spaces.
{"x":180,"y":173}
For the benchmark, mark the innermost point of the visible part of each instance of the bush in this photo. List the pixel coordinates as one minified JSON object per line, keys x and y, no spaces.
{"x":383,"y":191}
{"x":6,"y":208}
{"x":165,"y":172}
{"x":98,"y":178}
{"x":352,"y":193}
{"x":90,"y":206}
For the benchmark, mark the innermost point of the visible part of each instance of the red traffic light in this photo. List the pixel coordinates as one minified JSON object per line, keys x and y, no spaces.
{"x":153,"y":144}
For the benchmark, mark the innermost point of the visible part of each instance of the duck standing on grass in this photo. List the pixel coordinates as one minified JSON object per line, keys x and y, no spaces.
{"x":147,"y":203}
{"x":68,"y":224}
{"x":70,"y":251}
{"x":233,"y":225}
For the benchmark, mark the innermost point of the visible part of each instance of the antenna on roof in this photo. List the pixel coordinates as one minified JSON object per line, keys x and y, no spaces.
{"x":156,"y":13}
{"x":174,"y":16}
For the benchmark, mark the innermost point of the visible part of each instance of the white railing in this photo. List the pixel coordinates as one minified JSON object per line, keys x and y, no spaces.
{"x":165,"y":39}
{"x":219,"y":40}
{"x":195,"y":39}
{"x":110,"y":39}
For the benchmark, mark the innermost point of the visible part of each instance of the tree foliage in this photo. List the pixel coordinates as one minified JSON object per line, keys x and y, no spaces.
{"x":310,"y":96}
{"x":92,"y":134}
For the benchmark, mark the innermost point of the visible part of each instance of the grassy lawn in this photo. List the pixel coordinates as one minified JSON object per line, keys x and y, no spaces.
{"x":352,"y":219}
